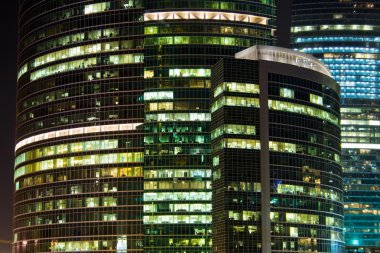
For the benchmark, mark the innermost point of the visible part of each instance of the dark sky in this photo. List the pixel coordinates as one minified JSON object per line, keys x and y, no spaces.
{"x":8,"y":26}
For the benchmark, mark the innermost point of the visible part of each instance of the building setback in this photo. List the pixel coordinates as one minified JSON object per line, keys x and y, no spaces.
{"x":275,"y":140}
{"x":345,"y":35}
{"x":113,"y":120}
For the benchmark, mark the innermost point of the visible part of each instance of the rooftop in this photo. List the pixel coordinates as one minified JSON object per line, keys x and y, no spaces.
{"x":283,"y":55}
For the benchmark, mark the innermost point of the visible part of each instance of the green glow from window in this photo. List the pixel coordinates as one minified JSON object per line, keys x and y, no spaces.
{"x":95,"y":8}
{"x":309,"y":191}
{"x":85,"y":63}
{"x":65,"y":162}
{"x":189,"y":72}
{"x":150,"y":30}
{"x":235,"y":101}
{"x":241,"y":143}
{"x":316,"y":99}
{"x":158,"y":95}
{"x":286,"y":93}
{"x":282,"y":147}
{"x":303,"y":109}
{"x":177,"y":219}
{"x":66,"y":148}
{"x":233,"y":129}
{"x":72,"y":52}
{"x":302,"y":218}
{"x":237,"y":87}
{"x":198,"y":40}
{"x":162,"y":117}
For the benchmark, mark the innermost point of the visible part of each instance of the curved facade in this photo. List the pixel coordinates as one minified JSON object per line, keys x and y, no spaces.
{"x":277,"y":178}
{"x":345,"y":35}
{"x":94,"y":78}
{"x":79,"y":152}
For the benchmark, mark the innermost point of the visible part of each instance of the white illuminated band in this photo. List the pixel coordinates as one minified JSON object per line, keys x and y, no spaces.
{"x":360,"y":122}
{"x":207,"y":15}
{"x":284,"y":55}
{"x":76,"y":131}
{"x":360,"y":145}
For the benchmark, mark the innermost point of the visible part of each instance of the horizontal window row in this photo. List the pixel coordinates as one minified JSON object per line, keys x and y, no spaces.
{"x":76,"y":51}
{"x":236,"y":87}
{"x":309,"y":191}
{"x":297,"y":29}
{"x":113,"y":114}
{"x":166,"y":207}
{"x":60,"y":177}
{"x":189,"y":72}
{"x":176,"y":184}
{"x":242,"y":215}
{"x":198,"y":40}
{"x":76,"y":131}
{"x":88,"y":35}
{"x":177,"y":219}
{"x":102,"y":102}
{"x":74,"y":217}
{"x":58,"y":163}
{"x":60,"y":204}
{"x":170,"y":173}
{"x":158,"y":95}
{"x":178,"y":138}
{"x":233,"y":129}
{"x":277,"y":147}
{"x":177,"y":117}
{"x":119,"y":245}
{"x":86,"y":63}
{"x":177,"y":150}
{"x":257,"y":32}
{"x":303,"y":109}
{"x":234,"y":101}
{"x":180,"y":105}
{"x":66,"y":148}
{"x":176,"y":196}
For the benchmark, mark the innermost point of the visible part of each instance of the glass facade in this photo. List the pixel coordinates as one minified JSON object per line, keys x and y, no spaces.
{"x":345,"y":35}
{"x":275,"y":165}
{"x":113,"y":120}
{"x":79,"y":149}
{"x":183,"y":40}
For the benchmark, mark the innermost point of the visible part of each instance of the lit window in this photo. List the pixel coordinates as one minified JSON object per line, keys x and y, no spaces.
{"x":286,"y":93}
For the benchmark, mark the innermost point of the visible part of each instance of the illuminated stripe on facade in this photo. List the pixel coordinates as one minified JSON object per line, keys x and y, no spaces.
{"x":76,"y":131}
{"x":206,"y":15}
{"x":361,"y":145}
{"x":81,"y":160}
{"x":360,"y":122}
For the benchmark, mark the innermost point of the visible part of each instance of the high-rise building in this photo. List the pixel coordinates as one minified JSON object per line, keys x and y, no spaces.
{"x":79,"y":152}
{"x":87,"y":70}
{"x":345,"y":35}
{"x":277,"y":178}
{"x":183,"y":40}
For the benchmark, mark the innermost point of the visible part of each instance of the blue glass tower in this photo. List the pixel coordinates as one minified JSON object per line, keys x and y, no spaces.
{"x":345,"y":35}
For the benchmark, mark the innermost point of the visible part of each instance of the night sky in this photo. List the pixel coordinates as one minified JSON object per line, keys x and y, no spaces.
{"x":8,"y":27}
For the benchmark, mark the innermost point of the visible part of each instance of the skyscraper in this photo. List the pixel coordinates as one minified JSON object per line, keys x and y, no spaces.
{"x":183,"y":39}
{"x":345,"y":35}
{"x":277,"y":184}
{"x":94,"y":78}
{"x":79,"y":152}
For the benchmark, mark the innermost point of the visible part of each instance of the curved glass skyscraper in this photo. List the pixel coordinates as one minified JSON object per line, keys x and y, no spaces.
{"x":79,"y":153}
{"x":277,"y":178}
{"x":345,"y":35}
{"x":88,"y":71}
